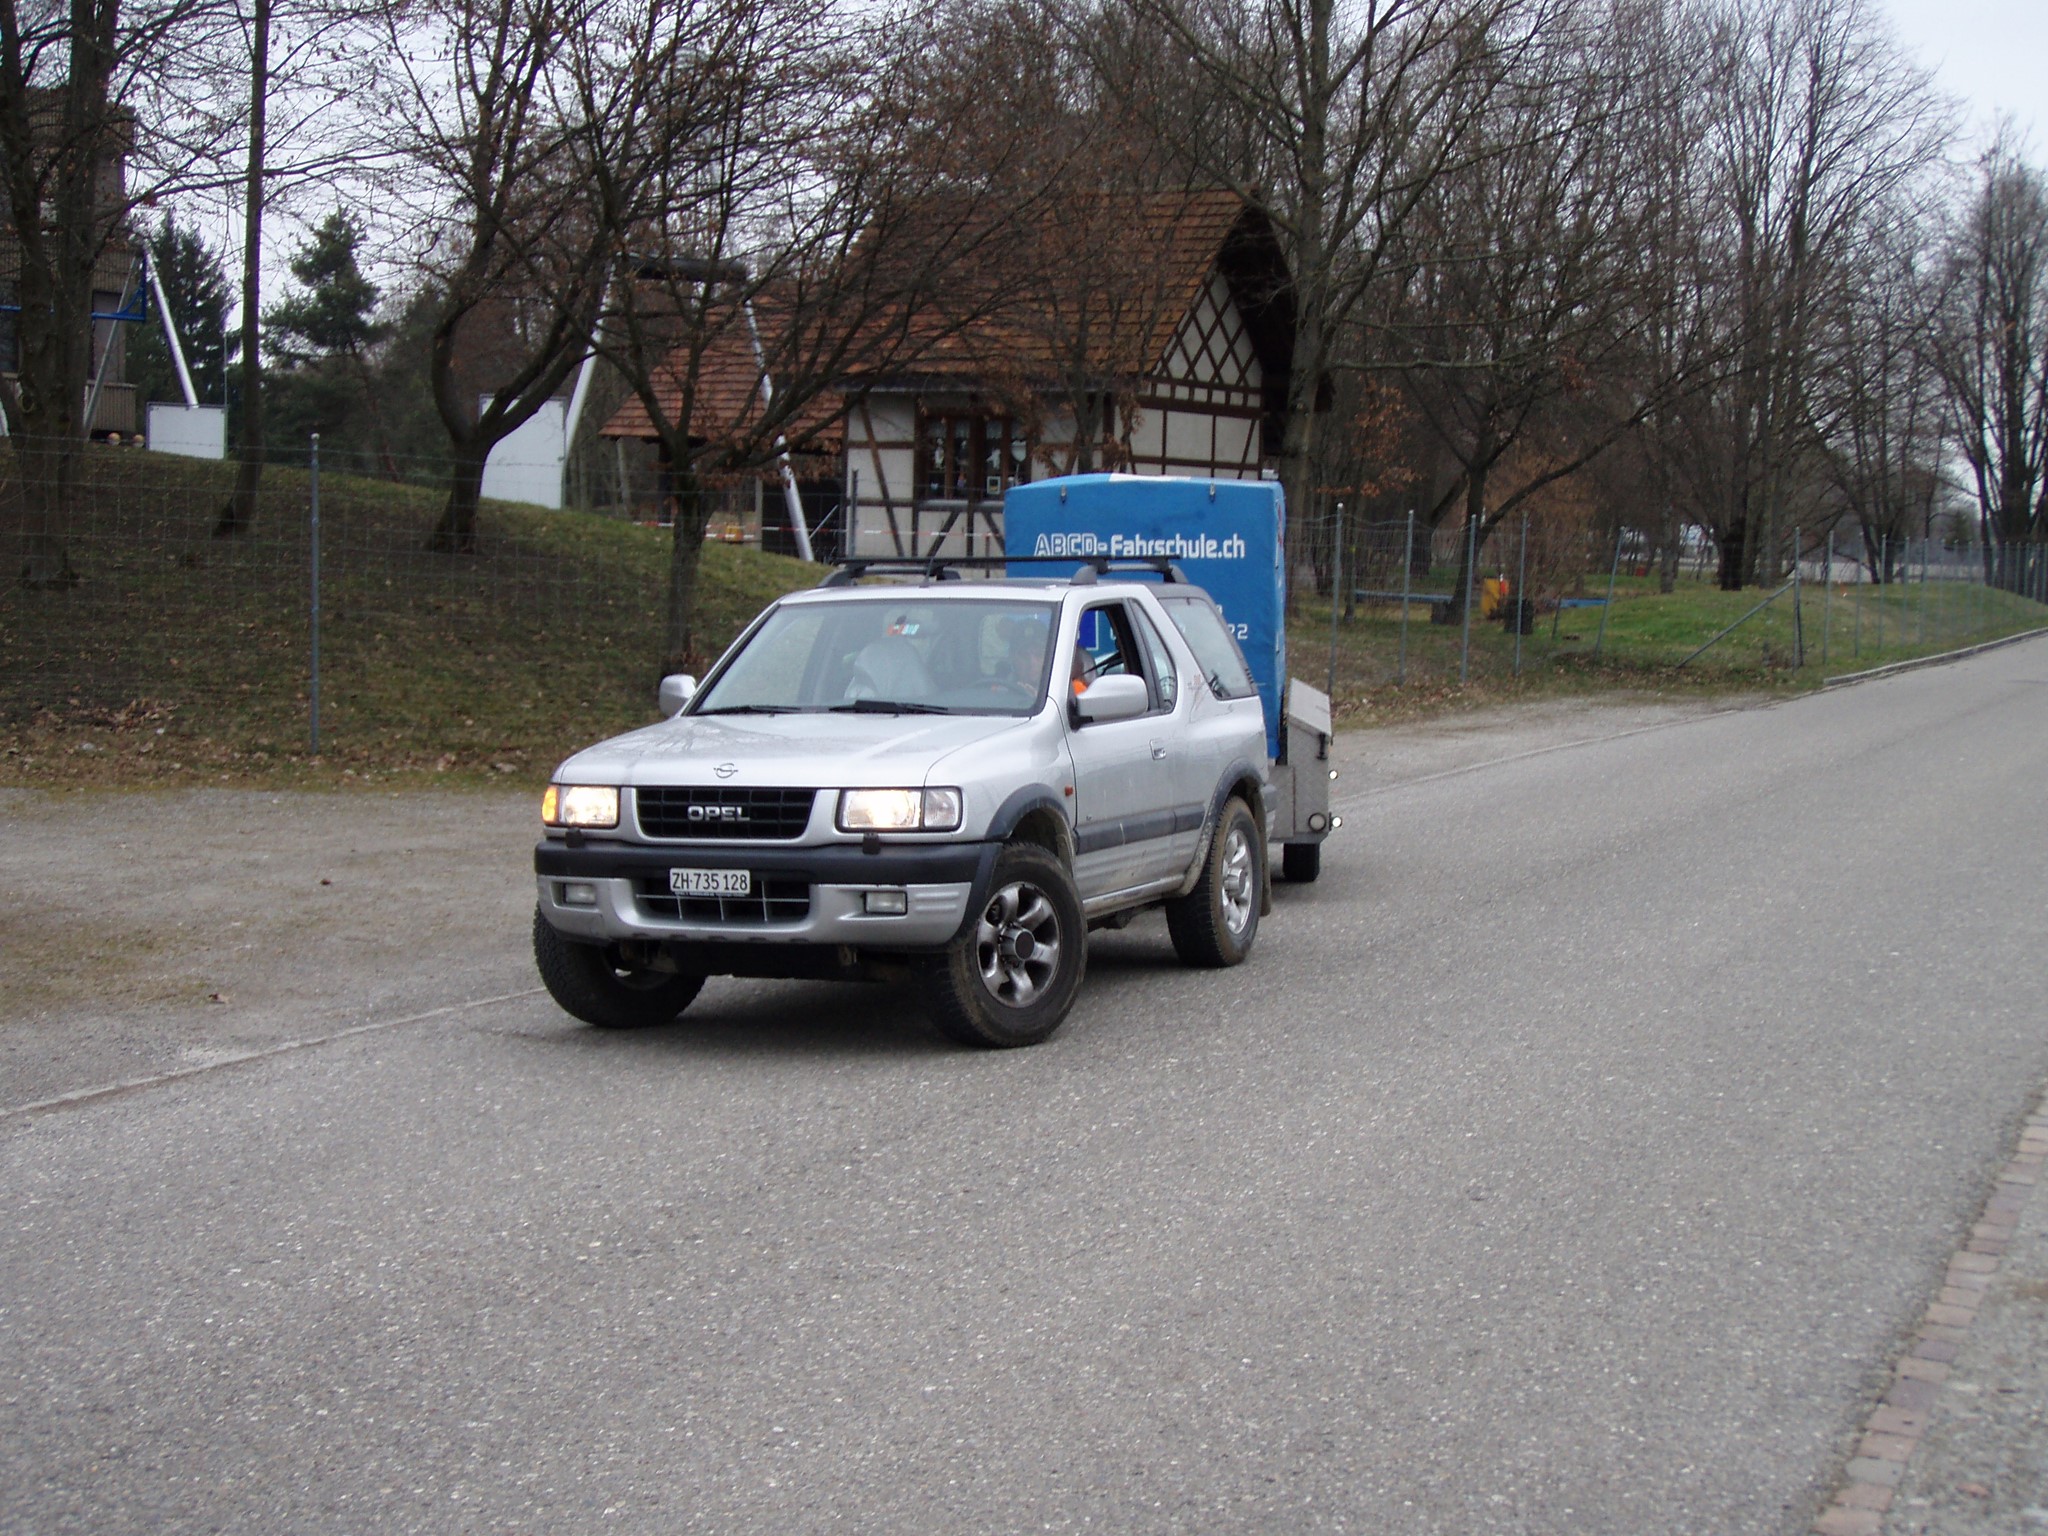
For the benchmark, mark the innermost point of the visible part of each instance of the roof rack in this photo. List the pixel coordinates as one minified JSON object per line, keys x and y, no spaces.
{"x":948,"y":567}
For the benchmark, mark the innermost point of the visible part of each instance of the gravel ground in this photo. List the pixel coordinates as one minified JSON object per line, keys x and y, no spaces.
{"x":144,"y":932}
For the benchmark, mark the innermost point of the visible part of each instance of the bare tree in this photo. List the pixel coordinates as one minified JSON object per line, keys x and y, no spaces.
{"x":1338,"y":118}
{"x":514,"y":248}
{"x":794,"y":206}
{"x":1819,"y":121}
{"x":92,"y":124}
{"x":1522,"y":317}
{"x":1876,"y":400}
{"x":1992,"y":350}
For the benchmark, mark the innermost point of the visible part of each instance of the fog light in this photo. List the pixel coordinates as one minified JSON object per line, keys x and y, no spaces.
{"x":576,"y":893}
{"x":1336,"y":822}
{"x":885,"y":903}
{"x":1333,"y":773}
{"x":1317,"y":822}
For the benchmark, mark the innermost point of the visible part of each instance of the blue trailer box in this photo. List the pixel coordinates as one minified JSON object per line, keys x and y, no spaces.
{"x":1228,"y":536}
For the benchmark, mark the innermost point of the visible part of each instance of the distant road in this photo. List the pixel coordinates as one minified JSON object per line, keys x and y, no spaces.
{"x":1573,"y":1157}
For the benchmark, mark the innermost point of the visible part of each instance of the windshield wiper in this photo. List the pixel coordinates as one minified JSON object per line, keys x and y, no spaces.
{"x":750,"y":709}
{"x":887,"y":707}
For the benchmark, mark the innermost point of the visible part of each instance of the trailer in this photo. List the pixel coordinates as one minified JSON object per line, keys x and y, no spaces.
{"x":1228,"y":537}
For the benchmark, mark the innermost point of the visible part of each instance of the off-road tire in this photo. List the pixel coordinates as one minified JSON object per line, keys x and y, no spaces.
{"x":1301,"y":862}
{"x":1215,"y":923}
{"x":1011,"y":975}
{"x":595,"y":982}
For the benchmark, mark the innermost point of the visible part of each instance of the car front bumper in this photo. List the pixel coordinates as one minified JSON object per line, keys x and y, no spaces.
{"x":807,"y":896}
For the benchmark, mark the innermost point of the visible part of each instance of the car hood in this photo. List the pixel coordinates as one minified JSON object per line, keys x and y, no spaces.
{"x":784,"y":751}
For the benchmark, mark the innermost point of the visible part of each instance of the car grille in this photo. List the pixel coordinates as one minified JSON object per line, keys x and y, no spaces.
{"x":752,"y":813}
{"x":777,"y":899}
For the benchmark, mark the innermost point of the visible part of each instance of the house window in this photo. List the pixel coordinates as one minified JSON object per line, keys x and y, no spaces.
{"x":963,"y":456}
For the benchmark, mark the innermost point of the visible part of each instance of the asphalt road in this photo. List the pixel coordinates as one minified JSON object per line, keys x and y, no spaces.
{"x":1574,"y":1157}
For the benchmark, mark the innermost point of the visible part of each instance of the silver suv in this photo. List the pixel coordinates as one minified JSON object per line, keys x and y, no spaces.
{"x":945,"y":780}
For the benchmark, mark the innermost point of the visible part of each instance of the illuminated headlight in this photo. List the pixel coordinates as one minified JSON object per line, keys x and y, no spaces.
{"x":580,"y":805}
{"x":899,"y":810}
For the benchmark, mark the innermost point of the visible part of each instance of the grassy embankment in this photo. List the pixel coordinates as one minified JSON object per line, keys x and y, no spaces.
{"x":1647,"y":640}
{"x":181,"y":658}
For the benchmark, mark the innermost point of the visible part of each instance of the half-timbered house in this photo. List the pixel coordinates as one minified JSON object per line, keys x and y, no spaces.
{"x":1158,"y":344}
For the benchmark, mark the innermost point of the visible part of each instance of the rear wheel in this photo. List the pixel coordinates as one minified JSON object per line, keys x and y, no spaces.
{"x":1011,"y":977}
{"x":1215,"y":923}
{"x":1301,"y":862}
{"x":610,"y":985}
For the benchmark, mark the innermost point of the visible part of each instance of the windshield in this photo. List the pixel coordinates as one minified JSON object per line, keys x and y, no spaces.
{"x":958,"y":656}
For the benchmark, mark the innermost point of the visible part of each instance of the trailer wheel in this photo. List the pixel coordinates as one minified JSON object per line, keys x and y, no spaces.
{"x":1301,"y":862}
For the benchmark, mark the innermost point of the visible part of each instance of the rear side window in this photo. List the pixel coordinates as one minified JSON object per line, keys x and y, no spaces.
{"x":1215,"y":648}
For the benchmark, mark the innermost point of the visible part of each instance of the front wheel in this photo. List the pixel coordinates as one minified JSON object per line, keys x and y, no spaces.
{"x":1010,"y":978}
{"x":1215,"y":923}
{"x":606,"y":984}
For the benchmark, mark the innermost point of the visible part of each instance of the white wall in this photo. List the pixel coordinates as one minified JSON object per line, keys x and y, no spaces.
{"x":195,"y":431}
{"x":526,"y":465}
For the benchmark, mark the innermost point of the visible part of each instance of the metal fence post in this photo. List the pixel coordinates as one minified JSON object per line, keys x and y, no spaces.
{"x":1407,"y":584}
{"x":314,"y":497}
{"x":1613,"y":570}
{"x":1336,"y":592}
{"x":1471,"y":558}
{"x":1827,"y":596}
{"x":1521,"y":597}
{"x":1923,"y":591}
{"x":1798,"y":619}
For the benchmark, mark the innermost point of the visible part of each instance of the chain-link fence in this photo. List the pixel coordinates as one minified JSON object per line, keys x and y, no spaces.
{"x":550,"y":628}
{"x":150,"y":618}
{"x":1528,"y":604}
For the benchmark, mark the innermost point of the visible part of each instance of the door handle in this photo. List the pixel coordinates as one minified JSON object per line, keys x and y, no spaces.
{"x":1158,"y":749}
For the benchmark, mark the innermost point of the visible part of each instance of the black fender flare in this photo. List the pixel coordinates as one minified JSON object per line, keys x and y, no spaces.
{"x":1241,"y":770}
{"x":1002,"y":826}
{"x":1022,"y":802}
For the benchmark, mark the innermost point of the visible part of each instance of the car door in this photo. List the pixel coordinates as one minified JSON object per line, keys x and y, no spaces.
{"x":1189,"y":761}
{"x":1123,"y":796}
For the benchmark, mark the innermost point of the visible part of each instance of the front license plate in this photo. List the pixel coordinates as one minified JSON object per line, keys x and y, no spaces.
{"x":711,"y":882}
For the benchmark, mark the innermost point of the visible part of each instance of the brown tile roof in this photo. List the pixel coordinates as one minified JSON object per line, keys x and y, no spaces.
{"x":727,"y":407}
{"x":1100,"y":284}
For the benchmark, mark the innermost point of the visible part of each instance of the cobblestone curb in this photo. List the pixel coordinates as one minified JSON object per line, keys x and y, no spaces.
{"x":1900,"y":1422}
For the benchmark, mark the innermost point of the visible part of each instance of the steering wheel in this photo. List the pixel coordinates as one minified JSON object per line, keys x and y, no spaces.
{"x":1009,"y":690}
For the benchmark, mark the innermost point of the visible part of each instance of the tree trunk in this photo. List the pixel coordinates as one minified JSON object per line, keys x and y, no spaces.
{"x":46,"y":469}
{"x":686,"y":559}
{"x":1733,"y":540}
{"x":238,"y":516}
{"x":455,"y":533}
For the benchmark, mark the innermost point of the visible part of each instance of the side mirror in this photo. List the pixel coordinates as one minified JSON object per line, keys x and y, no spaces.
{"x":1119,"y":697}
{"x":677,"y":689}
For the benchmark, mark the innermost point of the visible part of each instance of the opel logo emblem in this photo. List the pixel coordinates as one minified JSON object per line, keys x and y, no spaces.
{"x":726,"y":770}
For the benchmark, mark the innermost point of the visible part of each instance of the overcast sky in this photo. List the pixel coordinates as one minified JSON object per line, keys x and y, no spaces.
{"x":1993,"y":54}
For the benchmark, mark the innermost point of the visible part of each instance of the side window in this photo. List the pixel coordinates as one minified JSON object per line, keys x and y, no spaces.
{"x":1215,"y":648}
{"x":1158,"y":663}
{"x":1114,"y":639}
{"x":1102,"y":644}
